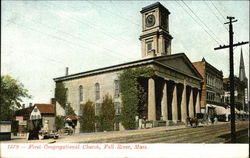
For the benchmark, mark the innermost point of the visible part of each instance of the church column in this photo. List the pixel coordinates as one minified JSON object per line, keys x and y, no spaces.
{"x":191,"y":104}
{"x":174,"y":105}
{"x":151,"y":100}
{"x":164,"y":102}
{"x":198,"y":105}
{"x":184,"y":104}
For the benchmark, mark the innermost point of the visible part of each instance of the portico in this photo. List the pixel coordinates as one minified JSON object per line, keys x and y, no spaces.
{"x":173,"y":95}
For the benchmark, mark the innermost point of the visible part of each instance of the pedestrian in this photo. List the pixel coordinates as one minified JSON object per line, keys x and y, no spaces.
{"x":144,"y":119}
{"x":215,"y":120}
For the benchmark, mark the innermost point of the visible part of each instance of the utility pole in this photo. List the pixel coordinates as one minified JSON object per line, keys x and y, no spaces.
{"x":231,"y":61}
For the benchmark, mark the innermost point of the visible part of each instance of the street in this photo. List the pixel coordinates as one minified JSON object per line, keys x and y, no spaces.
{"x":217,"y":133}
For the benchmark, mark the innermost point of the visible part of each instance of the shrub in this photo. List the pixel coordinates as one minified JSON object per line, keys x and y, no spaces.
{"x":107,"y":114}
{"x":59,"y":122}
{"x":87,"y":120}
{"x":14,"y":126}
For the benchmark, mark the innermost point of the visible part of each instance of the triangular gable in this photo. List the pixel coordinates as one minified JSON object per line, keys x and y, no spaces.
{"x":35,"y":114}
{"x":181,"y":63}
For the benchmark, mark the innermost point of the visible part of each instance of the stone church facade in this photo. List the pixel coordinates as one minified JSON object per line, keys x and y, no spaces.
{"x":172,"y":94}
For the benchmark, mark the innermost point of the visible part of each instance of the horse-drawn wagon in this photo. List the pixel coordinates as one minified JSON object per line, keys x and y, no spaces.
{"x":200,"y":118}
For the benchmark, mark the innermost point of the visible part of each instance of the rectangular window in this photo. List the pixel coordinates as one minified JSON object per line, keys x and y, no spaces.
{"x":97,"y":91}
{"x":117,"y":108}
{"x":149,"y":46}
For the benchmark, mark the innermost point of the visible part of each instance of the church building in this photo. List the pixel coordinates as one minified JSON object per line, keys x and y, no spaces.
{"x":173,"y":93}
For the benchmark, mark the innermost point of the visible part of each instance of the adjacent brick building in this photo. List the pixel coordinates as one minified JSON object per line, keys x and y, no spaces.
{"x":239,"y":87}
{"x":211,"y":85}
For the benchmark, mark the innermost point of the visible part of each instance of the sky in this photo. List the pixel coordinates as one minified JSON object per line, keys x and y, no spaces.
{"x":39,"y":39}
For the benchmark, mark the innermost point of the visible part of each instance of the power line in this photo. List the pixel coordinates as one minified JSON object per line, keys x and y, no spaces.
{"x":43,"y":57}
{"x":102,"y":8}
{"x":201,"y":20}
{"x":216,"y":16}
{"x":52,"y":28}
{"x":94,"y":27}
{"x":81,"y":39}
{"x":197,"y":22}
{"x":91,"y":26}
{"x":49,"y":36}
{"x":223,"y":17}
{"x":99,"y":30}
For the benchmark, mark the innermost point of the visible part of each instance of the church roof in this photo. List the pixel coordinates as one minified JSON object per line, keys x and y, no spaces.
{"x":154,"y":60}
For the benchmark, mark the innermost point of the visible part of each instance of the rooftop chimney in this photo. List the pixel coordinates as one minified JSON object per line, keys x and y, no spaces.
{"x":30,"y":105}
{"x":53,"y":101}
{"x":67,"y":71}
{"x":23,"y":106}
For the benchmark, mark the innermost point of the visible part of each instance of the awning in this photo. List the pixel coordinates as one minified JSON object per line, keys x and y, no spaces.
{"x":242,"y":112}
{"x":70,"y":117}
{"x":210,"y":105}
{"x":236,"y":111}
{"x":221,"y":110}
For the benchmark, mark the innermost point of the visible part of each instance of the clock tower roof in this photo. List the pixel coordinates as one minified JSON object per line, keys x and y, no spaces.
{"x":153,"y":6}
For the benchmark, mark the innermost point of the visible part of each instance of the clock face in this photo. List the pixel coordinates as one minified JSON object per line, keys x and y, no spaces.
{"x":150,"y":20}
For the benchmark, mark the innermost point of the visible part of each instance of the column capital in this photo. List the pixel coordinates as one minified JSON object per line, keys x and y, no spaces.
{"x":193,"y":87}
{"x":184,"y":82}
{"x":176,"y":81}
{"x":166,"y":79}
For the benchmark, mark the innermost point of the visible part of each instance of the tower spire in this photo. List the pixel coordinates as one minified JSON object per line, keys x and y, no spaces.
{"x":242,"y":74}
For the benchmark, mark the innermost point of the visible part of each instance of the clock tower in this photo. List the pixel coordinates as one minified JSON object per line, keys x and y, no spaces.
{"x":155,"y":38}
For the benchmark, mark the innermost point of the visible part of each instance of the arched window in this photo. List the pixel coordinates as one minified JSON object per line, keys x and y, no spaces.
{"x":97,"y":91}
{"x":80,"y":93}
{"x":117,"y":89}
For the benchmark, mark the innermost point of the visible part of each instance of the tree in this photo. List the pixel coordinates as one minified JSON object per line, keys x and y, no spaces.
{"x":87,"y":119}
{"x":61,"y":98}
{"x":59,"y":122}
{"x":107,"y":114}
{"x":69,"y":110}
{"x":60,"y":94}
{"x":12,"y":92}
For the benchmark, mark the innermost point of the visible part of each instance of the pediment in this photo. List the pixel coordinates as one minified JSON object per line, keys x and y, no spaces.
{"x":181,"y":63}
